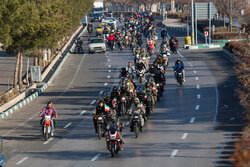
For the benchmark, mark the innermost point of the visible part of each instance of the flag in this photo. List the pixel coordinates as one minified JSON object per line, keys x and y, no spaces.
{"x":114,"y":100}
{"x":106,"y":107}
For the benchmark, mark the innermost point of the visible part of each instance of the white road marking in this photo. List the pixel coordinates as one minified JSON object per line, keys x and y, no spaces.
{"x":109,"y":70}
{"x":179,"y":54}
{"x":50,"y":139}
{"x":233,"y":118}
{"x":82,"y":112}
{"x":22,"y":160}
{"x":106,"y":84}
{"x":198,"y":96}
{"x":65,"y":127}
{"x":108,"y":76}
{"x":195,"y":71}
{"x":192,"y":120}
{"x":197,"y":107}
{"x":95,"y":157}
{"x":101,"y":92}
{"x":93,"y":102}
{"x":196,"y":78}
{"x":109,"y":66}
{"x":173,"y":153}
{"x":184,"y":136}
{"x":108,"y":60}
{"x":198,"y":86}
{"x":127,"y":123}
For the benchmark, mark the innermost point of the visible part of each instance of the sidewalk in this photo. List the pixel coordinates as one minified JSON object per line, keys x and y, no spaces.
{"x":174,"y":23}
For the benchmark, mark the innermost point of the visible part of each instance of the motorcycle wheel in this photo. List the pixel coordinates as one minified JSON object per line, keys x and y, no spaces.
{"x":136,"y":128}
{"x":99,"y":131}
{"x":123,"y":110}
{"x":112,"y":151}
{"x":46,"y":135}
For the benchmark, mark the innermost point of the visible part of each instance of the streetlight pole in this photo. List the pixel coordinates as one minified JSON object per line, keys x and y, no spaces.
{"x":192,"y":20}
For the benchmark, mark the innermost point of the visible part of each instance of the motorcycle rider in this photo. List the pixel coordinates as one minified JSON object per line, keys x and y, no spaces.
{"x":131,"y":69}
{"x":151,"y":90}
{"x":179,"y":67}
{"x":137,"y":108}
{"x":49,"y":110}
{"x":79,"y":43}
{"x":111,"y":39}
{"x":139,"y":38}
{"x":101,"y":108}
{"x":144,"y":55}
{"x":173,"y":42}
{"x":90,"y":27}
{"x":164,"y":33}
{"x":133,"y":42}
{"x":116,"y":124}
{"x":120,"y":41}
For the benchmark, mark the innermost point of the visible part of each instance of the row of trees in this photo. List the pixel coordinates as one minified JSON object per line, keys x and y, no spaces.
{"x":32,"y":26}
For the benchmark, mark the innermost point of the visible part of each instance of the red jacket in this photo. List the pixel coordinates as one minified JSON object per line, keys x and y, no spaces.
{"x":111,"y":38}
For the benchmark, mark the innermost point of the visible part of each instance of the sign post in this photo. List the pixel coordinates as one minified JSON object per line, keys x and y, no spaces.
{"x":206,"y":35}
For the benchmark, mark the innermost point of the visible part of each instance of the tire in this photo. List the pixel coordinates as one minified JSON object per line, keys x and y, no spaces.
{"x":46,"y":135}
{"x":136,"y":128}
{"x":99,"y":131}
{"x":112,"y":151}
{"x":123,"y":110}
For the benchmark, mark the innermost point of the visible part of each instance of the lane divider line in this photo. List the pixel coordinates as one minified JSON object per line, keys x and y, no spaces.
{"x":50,"y":139}
{"x":82,"y":112}
{"x":101,"y":92}
{"x":184,"y":136}
{"x":106,"y":84}
{"x":127,"y":123}
{"x":198,"y":86}
{"x":233,"y":118}
{"x":22,"y":160}
{"x":197,"y":107}
{"x":109,"y":66}
{"x":109,"y":70}
{"x":192,"y":120}
{"x":108,"y":76}
{"x":196,"y":78}
{"x":66,"y":126}
{"x":198,"y":96}
{"x":108,"y":60}
{"x":194,"y":71}
{"x":93,"y":102}
{"x":95,"y":157}
{"x":174,"y":153}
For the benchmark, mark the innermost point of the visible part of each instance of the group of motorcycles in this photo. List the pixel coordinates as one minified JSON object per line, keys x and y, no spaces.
{"x":131,"y":101}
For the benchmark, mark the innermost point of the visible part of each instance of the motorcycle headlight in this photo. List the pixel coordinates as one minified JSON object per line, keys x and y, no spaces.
{"x":123,"y":98}
{"x":99,"y":118}
{"x":157,"y":84}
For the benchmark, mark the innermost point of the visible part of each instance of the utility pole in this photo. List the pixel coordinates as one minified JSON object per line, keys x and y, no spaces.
{"x":231,"y":17}
{"x":192,"y":20}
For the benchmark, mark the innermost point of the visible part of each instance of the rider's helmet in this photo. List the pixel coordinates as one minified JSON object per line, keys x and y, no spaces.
{"x":147,"y":84}
{"x":114,"y":89}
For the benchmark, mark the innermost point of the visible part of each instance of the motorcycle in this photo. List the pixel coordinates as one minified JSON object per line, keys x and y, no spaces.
{"x":100,"y":125}
{"x":47,"y":126}
{"x":120,"y":45}
{"x":136,"y":124}
{"x":179,"y":77}
{"x":123,"y":108}
{"x":148,"y":103}
{"x":90,"y":30}
{"x":111,"y":45}
{"x":159,"y":90}
{"x":140,"y":75}
{"x":114,"y":143}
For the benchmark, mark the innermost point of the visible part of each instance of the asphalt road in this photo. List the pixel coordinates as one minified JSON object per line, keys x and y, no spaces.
{"x":193,"y":125}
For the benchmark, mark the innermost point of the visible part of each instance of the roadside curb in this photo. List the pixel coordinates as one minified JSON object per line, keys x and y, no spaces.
{"x":232,"y":56}
{"x":204,"y":46}
{"x":45,"y":86}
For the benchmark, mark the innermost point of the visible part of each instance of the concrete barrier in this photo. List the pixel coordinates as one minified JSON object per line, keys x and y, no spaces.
{"x":21,"y":100}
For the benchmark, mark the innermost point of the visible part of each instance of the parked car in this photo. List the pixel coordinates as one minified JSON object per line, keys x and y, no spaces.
{"x":96,"y":45}
{"x":96,"y":17}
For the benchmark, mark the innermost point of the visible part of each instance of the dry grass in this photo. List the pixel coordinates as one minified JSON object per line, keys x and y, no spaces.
{"x":241,"y":157}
